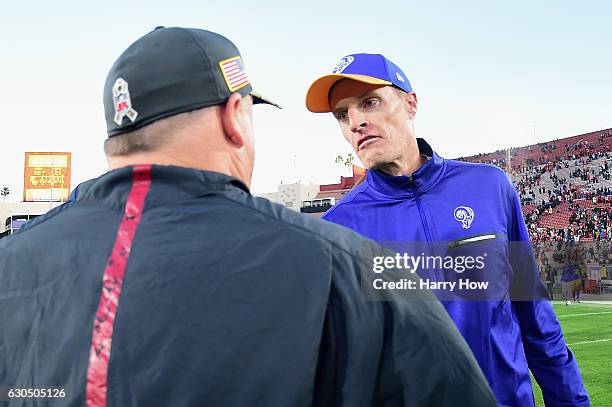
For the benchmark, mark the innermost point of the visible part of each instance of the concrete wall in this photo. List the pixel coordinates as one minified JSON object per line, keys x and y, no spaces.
{"x":292,"y":195}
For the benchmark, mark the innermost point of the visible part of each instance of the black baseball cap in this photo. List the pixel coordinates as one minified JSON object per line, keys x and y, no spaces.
{"x":170,"y":71}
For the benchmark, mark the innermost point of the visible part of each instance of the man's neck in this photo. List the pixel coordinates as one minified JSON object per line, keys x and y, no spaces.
{"x":404,"y":167}
{"x":217,"y":161}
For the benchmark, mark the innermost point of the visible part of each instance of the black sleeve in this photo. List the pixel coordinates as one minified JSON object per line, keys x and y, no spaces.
{"x":398,"y":350}
{"x":426,"y":360}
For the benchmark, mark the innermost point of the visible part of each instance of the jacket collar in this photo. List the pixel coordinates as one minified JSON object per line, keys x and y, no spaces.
{"x":423,"y":179}
{"x":169,"y":183}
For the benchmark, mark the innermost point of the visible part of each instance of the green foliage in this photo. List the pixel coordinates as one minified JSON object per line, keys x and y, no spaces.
{"x":348,"y":160}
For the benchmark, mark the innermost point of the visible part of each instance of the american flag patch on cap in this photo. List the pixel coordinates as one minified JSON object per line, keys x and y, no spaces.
{"x":234,"y":73}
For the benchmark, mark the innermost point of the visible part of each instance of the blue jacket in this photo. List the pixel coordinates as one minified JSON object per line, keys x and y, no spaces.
{"x":450,"y":201}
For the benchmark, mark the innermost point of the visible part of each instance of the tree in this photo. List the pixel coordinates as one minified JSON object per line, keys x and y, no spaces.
{"x":5,"y":192}
{"x":348,"y":160}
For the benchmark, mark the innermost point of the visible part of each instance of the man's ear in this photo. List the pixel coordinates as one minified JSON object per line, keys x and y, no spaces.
{"x":229,"y":120}
{"x":413,"y":103}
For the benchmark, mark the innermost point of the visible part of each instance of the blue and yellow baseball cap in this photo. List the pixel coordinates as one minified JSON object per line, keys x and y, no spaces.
{"x":374,"y":69}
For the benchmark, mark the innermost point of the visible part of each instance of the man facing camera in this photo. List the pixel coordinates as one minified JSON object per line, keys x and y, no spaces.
{"x":413,"y":196}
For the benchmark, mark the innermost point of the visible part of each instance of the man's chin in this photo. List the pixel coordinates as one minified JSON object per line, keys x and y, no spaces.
{"x":379,"y":165}
{"x":371,"y":163}
{"x":366,"y":159}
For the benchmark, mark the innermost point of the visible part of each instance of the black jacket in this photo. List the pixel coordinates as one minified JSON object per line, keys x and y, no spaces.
{"x":225,"y":300}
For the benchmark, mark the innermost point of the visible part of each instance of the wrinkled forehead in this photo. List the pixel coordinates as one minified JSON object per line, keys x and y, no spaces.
{"x":347,"y":90}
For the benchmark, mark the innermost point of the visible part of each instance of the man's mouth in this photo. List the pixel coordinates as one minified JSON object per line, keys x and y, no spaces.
{"x":366,"y":141}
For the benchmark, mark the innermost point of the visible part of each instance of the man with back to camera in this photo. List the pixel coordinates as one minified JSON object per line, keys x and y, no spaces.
{"x":411,"y":194}
{"x":165,"y":283}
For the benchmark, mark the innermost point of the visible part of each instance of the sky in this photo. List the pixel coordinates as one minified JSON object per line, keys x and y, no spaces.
{"x":488,"y":76}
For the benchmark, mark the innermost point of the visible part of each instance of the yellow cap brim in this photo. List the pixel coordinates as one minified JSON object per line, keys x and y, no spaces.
{"x":258,"y":98}
{"x":317,"y":97}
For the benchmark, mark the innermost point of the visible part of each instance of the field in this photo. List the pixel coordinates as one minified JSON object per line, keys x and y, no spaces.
{"x":588,"y":333}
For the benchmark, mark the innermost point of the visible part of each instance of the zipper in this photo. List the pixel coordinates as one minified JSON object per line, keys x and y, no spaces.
{"x":424,"y":222}
{"x":473,"y":239}
{"x":428,"y":237}
{"x":412,"y":185}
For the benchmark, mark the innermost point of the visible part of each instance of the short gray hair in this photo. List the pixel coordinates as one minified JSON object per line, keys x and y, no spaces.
{"x":150,"y":137}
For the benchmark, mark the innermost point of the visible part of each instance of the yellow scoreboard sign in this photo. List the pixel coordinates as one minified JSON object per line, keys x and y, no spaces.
{"x":46,"y":177}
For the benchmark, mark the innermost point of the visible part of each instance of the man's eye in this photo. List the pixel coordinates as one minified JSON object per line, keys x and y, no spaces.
{"x":342,"y":116}
{"x":370,"y":103}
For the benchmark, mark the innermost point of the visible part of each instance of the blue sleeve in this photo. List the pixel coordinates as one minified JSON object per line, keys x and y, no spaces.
{"x":550,"y":360}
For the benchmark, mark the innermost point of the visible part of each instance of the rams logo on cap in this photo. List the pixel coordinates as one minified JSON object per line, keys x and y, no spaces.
{"x":123,"y":102}
{"x":344,"y":62}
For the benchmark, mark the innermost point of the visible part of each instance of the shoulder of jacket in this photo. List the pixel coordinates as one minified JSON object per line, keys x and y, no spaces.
{"x":43,"y":218}
{"x":487,"y":168}
{"x":14,"y":240}
{"x":336,"y":236}
{"x":491,"y":172}
{"x":347,"y":199}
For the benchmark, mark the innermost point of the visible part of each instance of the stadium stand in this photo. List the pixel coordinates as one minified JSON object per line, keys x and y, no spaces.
{"x":564,"y":185}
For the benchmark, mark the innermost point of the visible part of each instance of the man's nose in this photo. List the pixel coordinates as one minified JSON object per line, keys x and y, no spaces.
{"x":357,"y":120}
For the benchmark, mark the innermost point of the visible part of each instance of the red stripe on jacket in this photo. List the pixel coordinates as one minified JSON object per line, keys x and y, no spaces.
{"x":112,"y":281}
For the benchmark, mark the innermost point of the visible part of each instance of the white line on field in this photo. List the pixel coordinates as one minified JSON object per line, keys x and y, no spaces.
{"x":586,"y":313}
{"x":581,"y":343}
